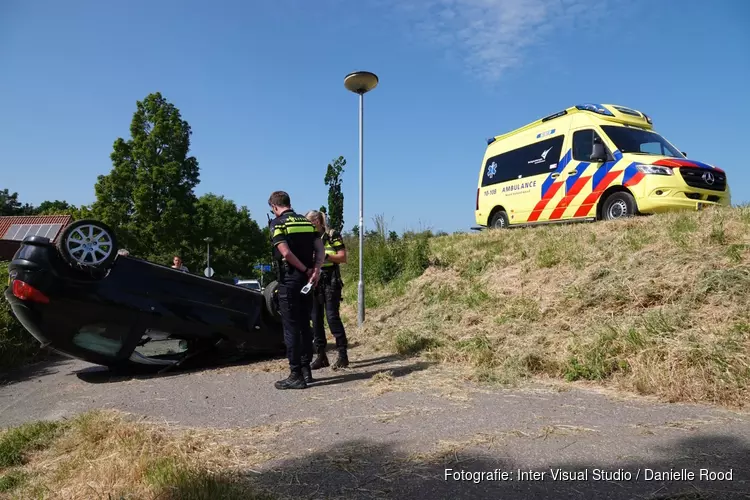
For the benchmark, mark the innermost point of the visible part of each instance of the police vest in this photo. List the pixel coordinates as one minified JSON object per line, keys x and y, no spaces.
{"x":333,"y":243}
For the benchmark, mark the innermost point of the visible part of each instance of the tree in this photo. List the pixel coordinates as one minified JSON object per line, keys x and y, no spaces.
{"x":56,"y":207}
{"x":355,"y":231}
{"x":148,"y":195}
{"x":9,"y":204}
{"x":237,"y":239}
{"x":335,"y":195}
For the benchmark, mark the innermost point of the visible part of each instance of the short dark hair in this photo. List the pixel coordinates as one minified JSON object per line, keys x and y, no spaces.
{"x":280,"y":198}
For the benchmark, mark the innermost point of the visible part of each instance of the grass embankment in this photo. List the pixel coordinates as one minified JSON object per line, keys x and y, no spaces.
{"x":657,"y":305}
{"x":107,"y":455}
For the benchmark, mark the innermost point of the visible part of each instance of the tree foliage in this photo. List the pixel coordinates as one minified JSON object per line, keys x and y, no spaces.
{"x":335,"y":194}
{"x":148,"y":195}
{"x":56,"y":207}
{"x":10,"y":205}
{"x":237,"y":240}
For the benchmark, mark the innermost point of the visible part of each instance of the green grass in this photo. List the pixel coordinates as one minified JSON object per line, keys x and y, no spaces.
{"x":12,"y":480}
{"x":177,"y":481}
{"x":681,"y":228}
{"x":409,"y":343}
{"x":18,"y":442}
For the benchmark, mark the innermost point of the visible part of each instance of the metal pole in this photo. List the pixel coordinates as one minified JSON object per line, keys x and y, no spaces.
{"x":208,"y":258}
{"x":361,"y":286}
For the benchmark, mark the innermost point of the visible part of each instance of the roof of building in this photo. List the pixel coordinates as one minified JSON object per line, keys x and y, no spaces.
{"x":18,"y":227}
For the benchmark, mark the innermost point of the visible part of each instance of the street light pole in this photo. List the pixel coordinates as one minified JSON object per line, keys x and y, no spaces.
{"x":208,"y":241}
{"x":361,"y":82}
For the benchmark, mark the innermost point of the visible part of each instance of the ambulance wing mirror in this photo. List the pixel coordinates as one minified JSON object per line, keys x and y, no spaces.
{"x":598,"y":152}
{"x":684,"y":154}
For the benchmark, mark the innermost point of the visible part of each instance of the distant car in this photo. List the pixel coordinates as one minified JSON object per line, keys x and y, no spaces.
{"x":81,"y":298}
{"x":250,"y":284}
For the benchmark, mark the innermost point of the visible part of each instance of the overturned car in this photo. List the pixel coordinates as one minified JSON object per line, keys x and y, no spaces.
{"x":80,"y":298}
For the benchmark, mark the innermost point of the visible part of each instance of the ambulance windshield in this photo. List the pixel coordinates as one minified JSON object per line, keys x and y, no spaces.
{"x":637,"y":141}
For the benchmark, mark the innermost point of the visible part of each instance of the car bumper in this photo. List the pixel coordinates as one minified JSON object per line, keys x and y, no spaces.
{"x":659,"y":193}
{"x":29,"y":318}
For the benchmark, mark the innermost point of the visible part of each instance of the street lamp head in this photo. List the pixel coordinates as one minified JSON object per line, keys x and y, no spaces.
{"x":360,"y":82}
{"x":208,"y":239}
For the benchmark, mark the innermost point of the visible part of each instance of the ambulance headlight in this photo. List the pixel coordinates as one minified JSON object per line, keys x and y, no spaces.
{"x":654,"y":169}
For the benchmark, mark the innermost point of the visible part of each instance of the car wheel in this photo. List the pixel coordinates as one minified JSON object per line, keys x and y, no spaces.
{"x":272,"y":300}
{"x":88,"y":244}
{"x":618,"y":205}
{"x":499,"y":220}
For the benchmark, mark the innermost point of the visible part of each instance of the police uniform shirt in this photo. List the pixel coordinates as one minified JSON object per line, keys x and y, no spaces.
{"x":298,"y":233}
{"x":333,"y":243}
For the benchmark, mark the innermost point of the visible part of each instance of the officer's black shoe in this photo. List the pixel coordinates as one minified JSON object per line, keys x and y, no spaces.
{"x":342,"y":361}
{"x":293,"y":381}
{"x":321,"y":361}
{"x":307,"y":375}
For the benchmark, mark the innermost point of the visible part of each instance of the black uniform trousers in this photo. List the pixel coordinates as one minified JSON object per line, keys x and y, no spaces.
{"x":295,"y":308}
{"x":327,"y":301}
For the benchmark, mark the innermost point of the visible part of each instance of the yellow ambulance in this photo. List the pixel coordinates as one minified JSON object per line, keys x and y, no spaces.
{"x":590,"y":162}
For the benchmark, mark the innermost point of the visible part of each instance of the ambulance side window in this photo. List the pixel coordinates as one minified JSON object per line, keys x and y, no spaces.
{"x":583,"y":144}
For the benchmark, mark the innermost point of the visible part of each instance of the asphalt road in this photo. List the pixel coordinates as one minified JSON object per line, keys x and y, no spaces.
{"x":354,"y":436}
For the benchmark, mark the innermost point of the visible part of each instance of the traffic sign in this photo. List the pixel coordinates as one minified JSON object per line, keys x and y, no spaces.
{"x":208,"y":272}
{"x":263,"y":267}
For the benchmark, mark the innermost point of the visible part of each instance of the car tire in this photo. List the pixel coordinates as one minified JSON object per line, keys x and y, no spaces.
{"x":271,"y":298}
{"x":618,"y":205}
{"x":96,"y":254}
{"x":499,"y":220}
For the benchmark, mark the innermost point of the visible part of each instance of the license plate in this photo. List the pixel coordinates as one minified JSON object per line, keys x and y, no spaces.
{"x":699,"y":206}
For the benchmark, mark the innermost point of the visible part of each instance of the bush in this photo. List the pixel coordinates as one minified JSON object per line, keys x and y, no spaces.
{"x":17,"y":346}
{"x":387,"y":258}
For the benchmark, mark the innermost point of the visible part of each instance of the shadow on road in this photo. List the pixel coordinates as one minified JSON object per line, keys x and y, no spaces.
{"x":103,"y":375}
{"x":363,"y":363}
{"x":47,"y":366}
{"x":346,"y":376}
{"x":365,"y":470}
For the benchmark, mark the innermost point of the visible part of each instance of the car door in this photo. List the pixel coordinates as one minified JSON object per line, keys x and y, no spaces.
{"x":578,"y":176}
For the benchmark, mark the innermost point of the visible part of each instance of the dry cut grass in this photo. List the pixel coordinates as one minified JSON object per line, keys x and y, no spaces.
{"x":108,"y":455}
{"x":657,"y":305}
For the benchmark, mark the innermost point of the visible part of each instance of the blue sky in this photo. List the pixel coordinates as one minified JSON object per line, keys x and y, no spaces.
{"x":261,"y":84}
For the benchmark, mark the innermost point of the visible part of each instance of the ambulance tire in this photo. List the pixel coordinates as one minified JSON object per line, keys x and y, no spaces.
{"x":499,"y":220}
{"x":619,"y":205}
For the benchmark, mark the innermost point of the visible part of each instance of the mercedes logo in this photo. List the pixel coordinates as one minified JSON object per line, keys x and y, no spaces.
{"x":708,"y":178}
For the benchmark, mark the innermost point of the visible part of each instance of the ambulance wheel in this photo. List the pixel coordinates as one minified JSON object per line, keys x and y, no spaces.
{"x":499,"y":220}
{"x":618,"y":206}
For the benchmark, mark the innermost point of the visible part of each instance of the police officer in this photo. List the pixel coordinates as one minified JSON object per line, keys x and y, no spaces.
{"x":328,"y":295}
{"x":299,"y":253}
